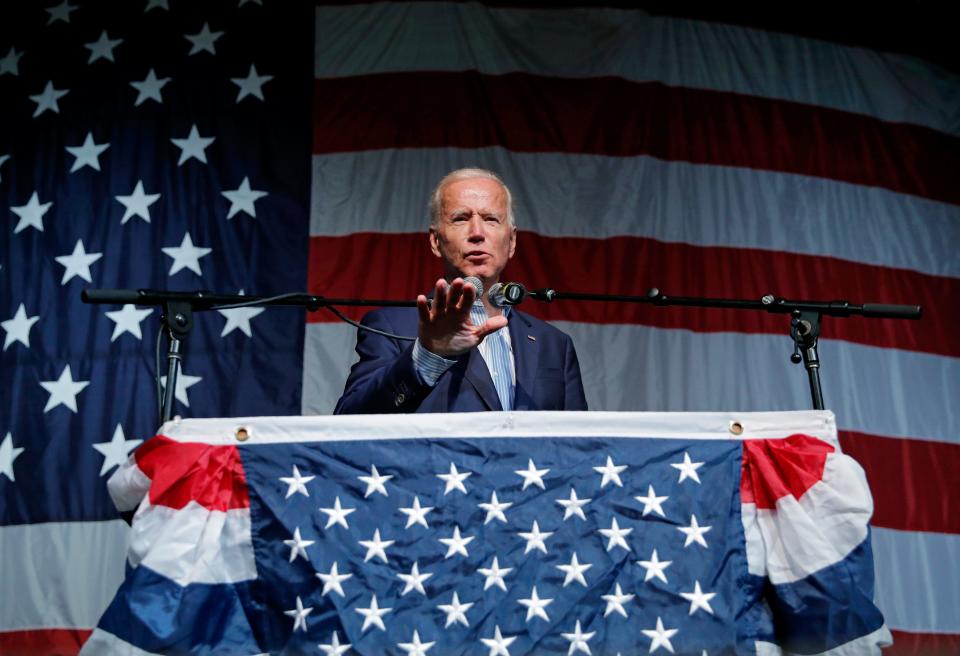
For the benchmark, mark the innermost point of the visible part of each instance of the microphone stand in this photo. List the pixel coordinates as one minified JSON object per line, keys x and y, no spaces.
{"x":805,"y":318}
{"x":176,"y":317}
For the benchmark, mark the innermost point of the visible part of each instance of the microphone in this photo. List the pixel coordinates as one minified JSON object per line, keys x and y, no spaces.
{"x":476,"y":283}
{"x":504,"y":294}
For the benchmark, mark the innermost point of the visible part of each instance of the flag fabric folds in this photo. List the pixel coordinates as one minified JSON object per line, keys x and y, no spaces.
{"x":505,"y":533}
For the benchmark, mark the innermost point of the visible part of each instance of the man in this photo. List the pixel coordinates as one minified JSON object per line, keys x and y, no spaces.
{"x":462,"y":359}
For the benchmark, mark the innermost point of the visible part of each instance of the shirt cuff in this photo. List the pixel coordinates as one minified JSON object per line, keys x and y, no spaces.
{"x":429,"y":366}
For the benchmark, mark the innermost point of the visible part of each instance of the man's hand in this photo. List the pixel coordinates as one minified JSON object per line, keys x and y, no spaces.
{"x":445,"y":327}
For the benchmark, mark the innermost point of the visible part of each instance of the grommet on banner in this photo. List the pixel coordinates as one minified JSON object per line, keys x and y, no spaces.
{"x":736,"y":428}
{"x":242,"y":434}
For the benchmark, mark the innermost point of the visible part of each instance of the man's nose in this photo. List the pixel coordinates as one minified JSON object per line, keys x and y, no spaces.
{"x":476,"y":227}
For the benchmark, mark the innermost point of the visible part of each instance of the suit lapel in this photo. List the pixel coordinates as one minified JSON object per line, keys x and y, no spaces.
{"x":478,"y":375}
{"x":526,"y":353}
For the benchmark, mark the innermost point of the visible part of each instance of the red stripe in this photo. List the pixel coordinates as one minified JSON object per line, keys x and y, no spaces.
{"x":35,"y":642}
{"x":612,"y":116}
{"x":181,"y":472}
{"x":341,"y":267}
{"x":923,"y":644}
{"x":914,"y":482}
{"x":773,"y":469}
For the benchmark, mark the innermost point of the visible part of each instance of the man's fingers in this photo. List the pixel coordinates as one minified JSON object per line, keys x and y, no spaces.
{"x":468,"y":297}
{"x":423,"y":309}
{"x":440,"y":298}
{"x":491,"y":325}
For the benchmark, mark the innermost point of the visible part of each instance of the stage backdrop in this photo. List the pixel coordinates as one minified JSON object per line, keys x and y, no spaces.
{"x":168,"y":145}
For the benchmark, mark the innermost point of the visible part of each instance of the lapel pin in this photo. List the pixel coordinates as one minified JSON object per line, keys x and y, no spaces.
{"x":531,"y":338}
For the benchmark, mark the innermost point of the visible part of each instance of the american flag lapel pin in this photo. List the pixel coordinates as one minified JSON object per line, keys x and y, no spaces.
{"x":531,"y":338}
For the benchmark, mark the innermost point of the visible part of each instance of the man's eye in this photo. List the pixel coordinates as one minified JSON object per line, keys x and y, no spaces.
{"x":494,"y":220}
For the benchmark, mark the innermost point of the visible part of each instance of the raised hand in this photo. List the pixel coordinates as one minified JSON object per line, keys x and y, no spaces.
{"x":445,"y":327}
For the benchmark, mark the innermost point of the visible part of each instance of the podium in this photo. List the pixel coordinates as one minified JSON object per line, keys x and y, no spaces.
{"x":496,"y":533}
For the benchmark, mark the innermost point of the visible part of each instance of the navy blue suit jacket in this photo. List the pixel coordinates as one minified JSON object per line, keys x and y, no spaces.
{"x":384,"y":380}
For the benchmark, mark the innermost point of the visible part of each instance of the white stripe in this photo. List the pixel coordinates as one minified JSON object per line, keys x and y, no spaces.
{"x":868,"y":644}
{"x":518,"y":424}
{"x":128,"y":485}
{"x":591,"y":196}
{"x":193,"y":544}
{"x":59,"y":575}
{"x":102,"y":642}
{"x":873,"y":390}
{"x":594,"y":41}
{"x":803,"y":536}
{"x":918,"y":582}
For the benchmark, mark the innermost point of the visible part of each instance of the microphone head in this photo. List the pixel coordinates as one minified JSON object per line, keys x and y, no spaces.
{"x":476,"y":283}
{"x":495,"y":295}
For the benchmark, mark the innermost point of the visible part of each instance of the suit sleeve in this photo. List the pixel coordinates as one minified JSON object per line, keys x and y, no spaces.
{"x":384,"y":380}
{"x":573,"y":387}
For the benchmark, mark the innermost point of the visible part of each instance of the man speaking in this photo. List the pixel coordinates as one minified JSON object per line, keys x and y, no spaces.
{"x":469,"y":355}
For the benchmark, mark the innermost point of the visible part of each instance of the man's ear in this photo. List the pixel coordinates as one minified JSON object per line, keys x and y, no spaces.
{"x":434,"y":238}
{"x":513,"y":241}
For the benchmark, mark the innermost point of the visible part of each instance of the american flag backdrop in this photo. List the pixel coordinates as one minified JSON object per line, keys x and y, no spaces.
{"x":195,"y":145}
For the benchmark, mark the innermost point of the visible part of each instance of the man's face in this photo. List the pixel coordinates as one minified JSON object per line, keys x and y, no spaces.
{"x":473,"y":236}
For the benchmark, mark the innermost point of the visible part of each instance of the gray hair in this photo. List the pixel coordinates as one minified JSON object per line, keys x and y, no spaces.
{"x":436,"y":199}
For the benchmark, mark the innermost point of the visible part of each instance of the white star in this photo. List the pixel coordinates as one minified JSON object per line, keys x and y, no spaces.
{"x":102,"y":48}
{"x":375,"y":482}
{"x":456,"y":612}
{"x":454,"y":480}
{"x":31,"y":214}
{"x":77,"y":263}
{"x":660,"y":636}
{"x":9,"y":453}
{"x":699,"y":599}
{"x":573,"y":506}
{"x":127,"y":320}
{"x":252,"y":85}
{"x":495,"y":509}
{"x":376,"y":547}
{"x":333,"y":580}
{"x":687,"y":469}
{"x":616,"y":535}
{"x":203,"y":40}
{"x":535,"y":539}
{"x":337,"y":514}
{"x":611,"y":473}
{"x":242,"y":199}
{"x":193,"y":146}
{"x":532,"y":476}
{"x":416,"y":514}
{"x":239,"y":318}
{"x":184,"y":382}
{"x":137,"y":203}
{"x":578,"y":640}
{"x":47,"y":99}
{"x":60,"y":12}
{"x":149,"y":88}
{"x":373,"y":614}
{"x":296,"y":484}
{"x":87,"y":154}
{"x":115,"y":451}
{"x":3,"y":158}
{"x":299,"y":615}
{"x":536,"y":606}
{"x":655,"y":567}
{"x":18,"y":328}
{"x":694,"y":532}
{"x":298,"y":546}
{"x":186,"y":255}
{"x":651,"y":502}
{"x":574,"y":571}
{"x":616,"y":601}
{"x":335,"y":648}
{"x":456,"y":544}
{"x":414,"y":580}
{"x":159,"y":4}
{"x":416,"y":648}
{"x":64,"y":390}
{"x":10,"y":63}
{"x":495,"y":574}
{"x":498,"y":643}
